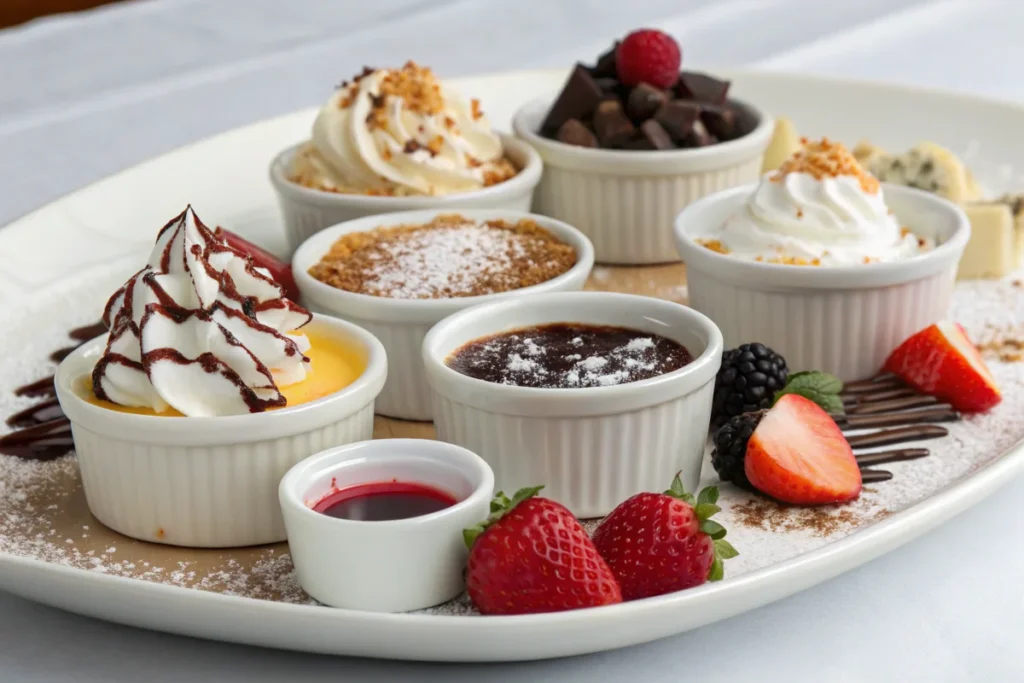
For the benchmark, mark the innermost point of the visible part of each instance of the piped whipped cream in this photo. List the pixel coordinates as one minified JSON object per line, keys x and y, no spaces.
{"x":400,"y":132}
{"x":200,"y":329}
{"x":821,"y":207}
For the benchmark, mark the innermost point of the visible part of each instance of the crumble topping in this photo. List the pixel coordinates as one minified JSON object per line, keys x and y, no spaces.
{"x":452,"y":256}
{"x":826,"y":159}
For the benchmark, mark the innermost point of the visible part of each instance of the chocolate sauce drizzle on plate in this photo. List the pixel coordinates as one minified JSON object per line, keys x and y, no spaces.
{"x":42,"y":431}
{"x":903,"y":414}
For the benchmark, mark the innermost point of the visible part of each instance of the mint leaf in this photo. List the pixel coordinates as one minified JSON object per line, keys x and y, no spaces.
{"x":820,"y":387}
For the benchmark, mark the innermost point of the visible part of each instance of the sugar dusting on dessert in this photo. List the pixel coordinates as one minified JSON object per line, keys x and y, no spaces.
{"x":569,"y":356}
{"x":43,"y":514}
{"x":451,"y":256}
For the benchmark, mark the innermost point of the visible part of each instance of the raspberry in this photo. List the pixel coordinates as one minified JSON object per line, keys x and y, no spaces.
{"x":648,"y":56}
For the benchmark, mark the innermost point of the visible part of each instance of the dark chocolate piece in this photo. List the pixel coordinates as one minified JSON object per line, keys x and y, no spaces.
{"x":639,"y":144}
{"x":720,"y":121}
{"x":698,"y":136}
{"x":573,"y":132}
{"x":888,"y":437}
{"x":579,"y":97}
{"x":608,"y":85}
{"x":605,"y":67}
{"x":677,"y":118}
{"x":701,"y":87}
{"x":898,"y":455}
{"x":875,"y":476}
{"x":644,"y":100}
{"x":611,"y":124}
{"x":885,"y":393}
{"x":656,"y":135}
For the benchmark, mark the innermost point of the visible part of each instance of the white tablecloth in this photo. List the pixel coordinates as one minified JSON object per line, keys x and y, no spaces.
{"x":86,"y":95}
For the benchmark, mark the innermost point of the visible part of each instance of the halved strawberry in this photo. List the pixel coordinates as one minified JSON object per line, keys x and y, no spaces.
{"x":798,"y":455}
{"x":940,"y":360}
{"x":279,"y":270}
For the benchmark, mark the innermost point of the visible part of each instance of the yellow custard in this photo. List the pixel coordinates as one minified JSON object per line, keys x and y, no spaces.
{"x":332,"y":367}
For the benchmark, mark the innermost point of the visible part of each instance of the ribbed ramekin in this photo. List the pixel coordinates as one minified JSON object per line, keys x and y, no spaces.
{"x":625,"y":201}
{"x":591,"y":448}
{"x":208,"y":481}
{"x":401,"y":324}
{"x":307,"y":211}
{"x":843,"y":320}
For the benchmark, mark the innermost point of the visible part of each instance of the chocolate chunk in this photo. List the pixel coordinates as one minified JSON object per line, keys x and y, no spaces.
{"x":720,"y":121}
{"x":677,"y":118}
{"x":639,"y":144}
{"x":698,"y":136}
{"x":611,"y":124}
{"x":579,"y":97}
{"x":573,"y":132}
{"x":643,"y":101}
{"x":701,"y":87}
{"x":607,"y":84}
{"x":656,"y":135}
{"x":605,"y":67}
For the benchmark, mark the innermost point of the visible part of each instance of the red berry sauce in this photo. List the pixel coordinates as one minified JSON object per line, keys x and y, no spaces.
{"x":384,"y":501}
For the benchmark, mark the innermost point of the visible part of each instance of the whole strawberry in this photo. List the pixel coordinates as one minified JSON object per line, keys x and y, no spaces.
{"x":657,"y":543}
{"x":648,"y":56}
{"x":531,"y":555}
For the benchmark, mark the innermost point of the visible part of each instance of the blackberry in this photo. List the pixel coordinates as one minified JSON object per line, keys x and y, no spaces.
{"x":747,"y":381}
{"x":731,"y":448}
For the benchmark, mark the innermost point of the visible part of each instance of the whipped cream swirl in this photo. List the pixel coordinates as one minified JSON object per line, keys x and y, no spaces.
{"x":400,"y":132}
{"x":820,"y":208}
{"x":200,"y":329}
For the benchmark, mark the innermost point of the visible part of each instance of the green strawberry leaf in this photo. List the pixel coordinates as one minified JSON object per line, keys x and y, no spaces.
{"x":500,"y":506}
{"x":820,"y":387}
{"x":708,"y":495}
{"x":717,"y":569}
{"x":712,"y":529}
{"x":725,"y":550}
{"x":677,"y":490}
{"x":706,"y":510}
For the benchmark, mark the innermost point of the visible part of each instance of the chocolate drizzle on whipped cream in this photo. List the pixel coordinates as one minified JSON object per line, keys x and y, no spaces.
{"x":200,"y":329}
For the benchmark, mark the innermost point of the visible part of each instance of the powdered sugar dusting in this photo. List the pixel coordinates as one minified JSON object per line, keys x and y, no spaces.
{"x":43,"y":515}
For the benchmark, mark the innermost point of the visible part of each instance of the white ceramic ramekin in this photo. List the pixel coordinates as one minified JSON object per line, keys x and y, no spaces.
{"x":843,"y":320}
{"x":401,"y":324}
{"x":625,"y":201}
{"x":208,"y":481}
{"x":591,"y":448}
{"x":307,"y":211}
{"x":384,"y":566}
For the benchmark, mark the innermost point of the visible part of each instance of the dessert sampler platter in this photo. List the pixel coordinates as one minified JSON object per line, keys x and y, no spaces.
{"x":413,"y":388}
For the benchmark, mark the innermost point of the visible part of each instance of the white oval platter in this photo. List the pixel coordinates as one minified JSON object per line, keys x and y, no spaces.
{"x":98,"y":233}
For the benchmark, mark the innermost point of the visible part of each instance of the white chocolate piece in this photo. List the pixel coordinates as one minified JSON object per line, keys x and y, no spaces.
{"x":785,"y":142}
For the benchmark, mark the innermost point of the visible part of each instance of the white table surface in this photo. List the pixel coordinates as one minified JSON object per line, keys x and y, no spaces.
{"x":86,"y":95}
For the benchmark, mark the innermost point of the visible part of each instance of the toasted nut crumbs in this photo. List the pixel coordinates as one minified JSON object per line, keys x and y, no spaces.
{"x":713,"y":245}
{"x":475,"y":109}
{"x":416,"y":85}
{"x":826,"y":159}
{"x":451,"y":256}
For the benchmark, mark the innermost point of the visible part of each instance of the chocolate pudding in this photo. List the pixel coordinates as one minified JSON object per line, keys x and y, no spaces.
{"x":569,"y":356}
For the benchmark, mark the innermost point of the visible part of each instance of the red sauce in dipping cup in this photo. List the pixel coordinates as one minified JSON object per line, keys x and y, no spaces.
{"x":377,"y":525}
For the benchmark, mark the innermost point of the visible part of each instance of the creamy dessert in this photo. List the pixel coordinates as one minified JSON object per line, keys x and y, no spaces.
{"x":200,"y":331}
{"x":451,"y":256}
{"x":400,"y":132}
{"x":569,"y":356}
{"x":820,"y":208}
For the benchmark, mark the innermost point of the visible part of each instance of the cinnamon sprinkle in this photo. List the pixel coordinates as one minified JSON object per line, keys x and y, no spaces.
{"x":822,"y":521}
